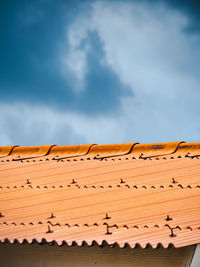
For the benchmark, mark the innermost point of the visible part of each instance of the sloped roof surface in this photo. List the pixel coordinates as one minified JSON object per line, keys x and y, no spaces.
{"x":126,"y":194}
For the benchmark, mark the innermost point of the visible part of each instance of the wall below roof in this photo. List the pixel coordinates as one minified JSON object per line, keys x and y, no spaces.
{"x":44,"y":255}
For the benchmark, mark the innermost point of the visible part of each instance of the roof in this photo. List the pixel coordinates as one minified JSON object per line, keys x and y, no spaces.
{"x":120,"y":194}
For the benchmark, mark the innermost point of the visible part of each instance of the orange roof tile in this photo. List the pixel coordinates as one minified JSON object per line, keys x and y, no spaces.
{"x":191,"y":149}
{"x":27,"y":152}
{"x":103,"y":151}
{"x":5,"y":150}
{"x":65,"y":151}
{"x":126,"y":194}
{"x":152,"y":150}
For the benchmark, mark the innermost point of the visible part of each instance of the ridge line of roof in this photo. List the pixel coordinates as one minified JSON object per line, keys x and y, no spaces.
{"x":101,"y":151}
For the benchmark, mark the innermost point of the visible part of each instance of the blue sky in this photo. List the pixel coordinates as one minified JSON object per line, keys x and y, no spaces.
{"x":75,"y":72}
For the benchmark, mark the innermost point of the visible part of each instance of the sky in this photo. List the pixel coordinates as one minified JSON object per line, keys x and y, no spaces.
{"x":76,"y":72}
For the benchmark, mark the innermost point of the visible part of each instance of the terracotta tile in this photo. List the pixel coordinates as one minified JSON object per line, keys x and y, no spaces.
{"x":70,"y":150}
{"x":6,"y":150}
{"x":189,"y":149}
{"x":146,"y":150}
{"x":145,"y":201}
{"x":27,"y":152}
{"x":100,"y":151}
{"x":62,"y":152}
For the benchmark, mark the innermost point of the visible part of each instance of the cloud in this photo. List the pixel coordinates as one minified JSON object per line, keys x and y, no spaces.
{"x":24,"y":124}
{"x":75,"y":61}
{"x":143,"y":44}
{"x":150,"y":51}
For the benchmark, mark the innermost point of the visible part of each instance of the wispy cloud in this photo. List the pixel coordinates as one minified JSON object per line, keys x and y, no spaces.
{"x":149,"y":49}
{"x":24,"y":124}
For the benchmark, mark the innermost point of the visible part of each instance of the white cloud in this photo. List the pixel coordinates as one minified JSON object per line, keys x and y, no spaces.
{"x":75,"y":62}
{"x":145,"y":45}
{"x":24,"y":124}
{"x":149,"y":50}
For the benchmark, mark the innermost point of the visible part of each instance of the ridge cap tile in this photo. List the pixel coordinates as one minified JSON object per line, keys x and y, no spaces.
{"x":64,"y":152}
{"x":148,"y":150}
{"x":190,"y":148}
{"x":6,"y":150}
{"x":108,"y":150}
{"x":27,"y":152}
{"x":156,"y":149}
{"x":31,"y":150}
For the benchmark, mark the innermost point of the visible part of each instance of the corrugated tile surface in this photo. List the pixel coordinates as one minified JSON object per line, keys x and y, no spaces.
{"x":125,"y":194}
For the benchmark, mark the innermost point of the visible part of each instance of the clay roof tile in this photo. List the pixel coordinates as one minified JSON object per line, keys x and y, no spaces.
{"x":6,"y":150}
{"x":153,"y":199}
{"x":157,"y":149}
{"x":109,"y":150}
{"x":27,"y":152}
{"x":190,"y":149}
